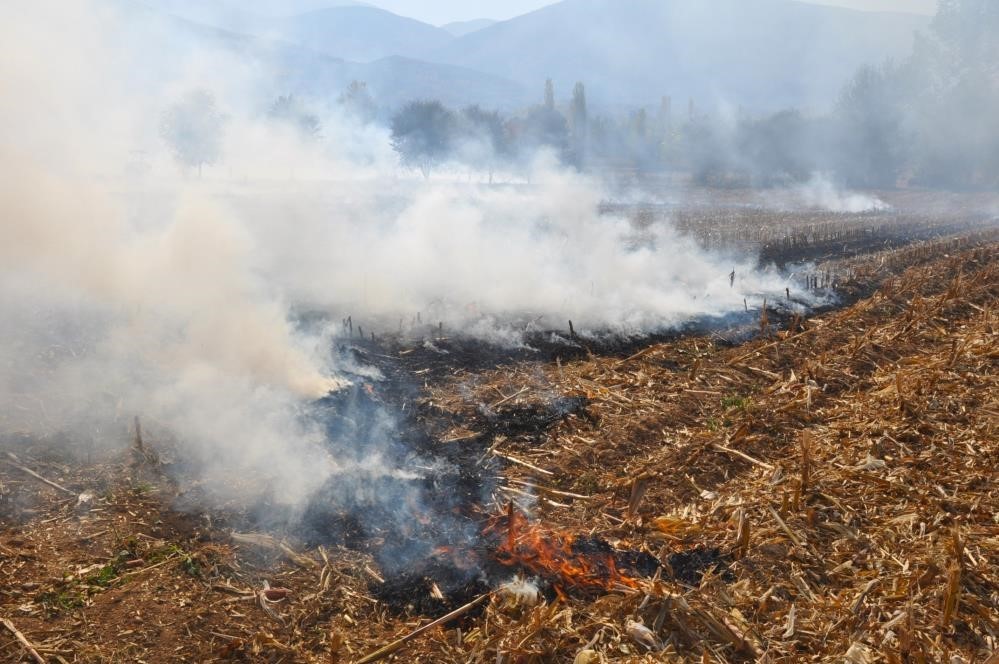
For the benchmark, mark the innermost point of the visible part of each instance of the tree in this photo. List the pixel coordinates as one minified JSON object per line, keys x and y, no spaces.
{"x":707,"y":151}
{"x":549,"y":94}
{"x":969,"y":29}
{"x":288,"y":110}
{"x":871,"y":138}
{"x":578,"y":123}
{"x":775,"y":150}
{"x":959,"y":64}
{"x":639,"y":124}
{"x":193,"y":129}
{"x":643,"y":146}
{"x":482,"y":138}
{"x":422,"y":134}
{"x":357,"y":102}
{"x":933,"y":117}
{"x":544,"y":127}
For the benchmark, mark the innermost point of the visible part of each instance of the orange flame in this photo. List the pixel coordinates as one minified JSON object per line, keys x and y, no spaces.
{"x":563,"y":559}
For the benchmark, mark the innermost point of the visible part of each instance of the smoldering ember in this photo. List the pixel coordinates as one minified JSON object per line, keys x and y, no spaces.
{"x":582,"y":331}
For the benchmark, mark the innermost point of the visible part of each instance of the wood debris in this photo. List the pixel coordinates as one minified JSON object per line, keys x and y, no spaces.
{"x":843,"y":474}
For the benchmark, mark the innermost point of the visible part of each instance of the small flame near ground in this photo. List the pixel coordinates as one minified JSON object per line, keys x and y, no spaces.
{"x":571,"y":563}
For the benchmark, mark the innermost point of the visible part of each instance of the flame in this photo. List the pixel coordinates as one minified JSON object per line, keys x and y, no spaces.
{"x":567,"y":561}
{"x":462,"y":558}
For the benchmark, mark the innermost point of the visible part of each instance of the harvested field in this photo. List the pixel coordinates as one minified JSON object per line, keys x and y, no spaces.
{"x":742,"y":219}
{"x":824,"y":492}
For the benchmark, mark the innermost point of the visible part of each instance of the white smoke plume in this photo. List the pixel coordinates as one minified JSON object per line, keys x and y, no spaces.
{"x":171,"y":296}
{"x":822,"y":193}
{"x":462,"y":254}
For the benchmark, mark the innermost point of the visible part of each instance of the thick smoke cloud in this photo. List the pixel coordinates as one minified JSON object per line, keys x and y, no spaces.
{"x":171,"y":296}
{"x":823,"y":193}
{"x":468,"y":254}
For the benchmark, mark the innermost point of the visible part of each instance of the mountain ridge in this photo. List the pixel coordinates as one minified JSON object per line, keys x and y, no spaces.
{"x":676,"y":56}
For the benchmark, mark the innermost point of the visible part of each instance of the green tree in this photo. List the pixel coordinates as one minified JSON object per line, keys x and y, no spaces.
{"x":290,"y":111}
{"x":482,"y":139}
{"x":544,"y":127}
{"x":578,"y":123}
{"x":357,"y":102}
{"x":193,"y":129}
{"x":954,"y":79}
{"x":870,"y":129}
{"x":774,"y":149}
{"x":422,"y":134}
{"x":549,"y":94}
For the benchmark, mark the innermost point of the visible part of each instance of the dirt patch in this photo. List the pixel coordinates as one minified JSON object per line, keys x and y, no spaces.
{"x":816,"y":492}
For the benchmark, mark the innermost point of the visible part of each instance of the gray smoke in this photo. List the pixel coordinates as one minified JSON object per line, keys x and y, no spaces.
{"x":129,"y":286}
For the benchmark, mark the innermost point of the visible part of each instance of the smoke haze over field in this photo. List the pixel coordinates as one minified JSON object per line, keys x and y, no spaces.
{"x":130,"y":287}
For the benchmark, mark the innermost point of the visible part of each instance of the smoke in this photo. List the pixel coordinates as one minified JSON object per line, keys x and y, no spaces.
{"x":822,"y":193}
{"x":172,"y":297}
{"x":473,"y":256}
{"x":111,"y":308}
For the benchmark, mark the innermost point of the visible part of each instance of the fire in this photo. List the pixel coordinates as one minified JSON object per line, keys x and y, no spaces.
{"x":566,"y":560}
{"x":461,"y":558}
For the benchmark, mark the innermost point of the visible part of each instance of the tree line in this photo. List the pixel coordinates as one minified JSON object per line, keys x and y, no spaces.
{"x":426,"y":134}
{"x":929,"y":120}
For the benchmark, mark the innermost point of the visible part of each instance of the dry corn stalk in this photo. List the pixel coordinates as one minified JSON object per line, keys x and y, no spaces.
{"x":742,"y":535}
{"x":805,"y":462}
{"x":638,"y":488}
{"x":951,"y":595}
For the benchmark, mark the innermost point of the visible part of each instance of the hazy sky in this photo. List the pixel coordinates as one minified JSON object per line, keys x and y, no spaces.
{"x":444,"y":11}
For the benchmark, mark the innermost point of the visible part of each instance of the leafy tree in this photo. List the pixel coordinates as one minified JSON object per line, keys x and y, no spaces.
{"x":959,"y":66}
{"x":639,"y":124}
{"x":357,"y":101}
{"x":544,"y":127}
{"x":578,"y":123}
{"x":549,"y":94}
{"x":290,"y":111}
{"x":482,"y":138}
{"x":643,"y":145}
{"x":193,"y":129}
{"x":707,"y":152}
{"x":933,"y":116}
{"x":422,"y":134}
{"x":774,"y":149}
{"x":969,"y":29}
{"x":871,"y":133}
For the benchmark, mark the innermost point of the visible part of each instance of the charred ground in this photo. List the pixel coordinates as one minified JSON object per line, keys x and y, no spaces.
{"x":743,"y":552}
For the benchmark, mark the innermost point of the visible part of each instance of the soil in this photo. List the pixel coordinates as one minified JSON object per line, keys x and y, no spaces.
{"x":824,"y":491}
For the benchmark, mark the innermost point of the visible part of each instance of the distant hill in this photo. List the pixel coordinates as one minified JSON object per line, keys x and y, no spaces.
{"x":360,"y":33}
{"x":163,"y":42}
{"x":248,"y":16}
{"x":759,"y":53}
{"x":288,"y":7}
{"x":204,"y":10}
{"x":339,"y":28}
{"x":396,"y":80}
{"x":462,"y":28}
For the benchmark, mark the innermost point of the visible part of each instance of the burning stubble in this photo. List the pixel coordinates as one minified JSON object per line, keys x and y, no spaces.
{"x":480,"y":258}
{"x":173,"y":297}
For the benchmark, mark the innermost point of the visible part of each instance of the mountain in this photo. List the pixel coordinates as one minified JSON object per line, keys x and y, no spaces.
{"x":286,"y":7}
{"x":762,"y":54}
{"x":165,"y":44}
{"x":360,"y":33}
{"x":756,"y":54}
{"x":207,"y":11}
{"x":462,"y":28}
{"x":396,"y":80}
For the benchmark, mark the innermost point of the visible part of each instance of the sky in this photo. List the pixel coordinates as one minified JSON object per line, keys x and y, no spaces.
{"x":439,"y":12}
